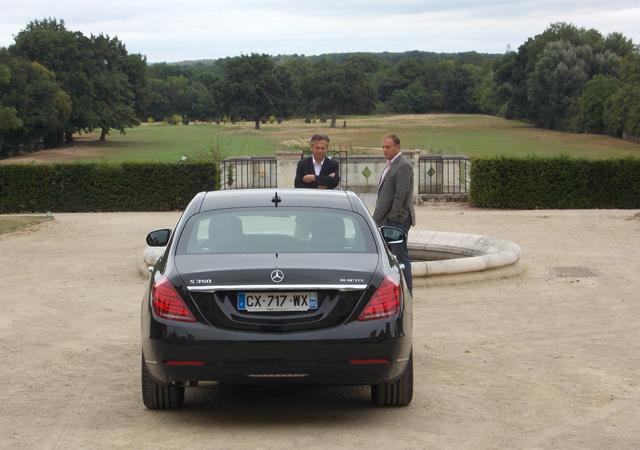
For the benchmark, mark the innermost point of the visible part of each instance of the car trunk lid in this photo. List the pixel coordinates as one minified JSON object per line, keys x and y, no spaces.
{"x":218,"y":284}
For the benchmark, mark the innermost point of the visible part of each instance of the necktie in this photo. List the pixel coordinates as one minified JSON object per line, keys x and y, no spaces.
{"x":384,"y":173}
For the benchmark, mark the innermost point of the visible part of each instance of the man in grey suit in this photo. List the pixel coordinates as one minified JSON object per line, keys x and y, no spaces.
{"x":394,"y":205}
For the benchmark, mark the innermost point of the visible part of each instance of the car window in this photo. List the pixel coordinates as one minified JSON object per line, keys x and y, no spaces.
{"x":276,"y":230}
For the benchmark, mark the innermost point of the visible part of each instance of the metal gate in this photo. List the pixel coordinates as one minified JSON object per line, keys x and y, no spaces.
{"x":249,"y":173}
{"x":447,"y":175}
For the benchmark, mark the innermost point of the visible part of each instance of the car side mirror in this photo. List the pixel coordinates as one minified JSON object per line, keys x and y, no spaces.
{"x":393,"y":235}
{"x":158,"y":238}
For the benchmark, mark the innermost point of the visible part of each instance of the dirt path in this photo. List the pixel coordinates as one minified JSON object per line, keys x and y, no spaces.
{"x":84,"y":147}
{"x":549,"y":358}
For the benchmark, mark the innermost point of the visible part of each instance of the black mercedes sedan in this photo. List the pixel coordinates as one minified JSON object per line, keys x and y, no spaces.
{"x":276,"y":286}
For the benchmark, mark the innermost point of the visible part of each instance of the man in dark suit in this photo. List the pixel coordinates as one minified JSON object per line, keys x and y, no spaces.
{"x":394,"y":205}
{"x":318,"y":171}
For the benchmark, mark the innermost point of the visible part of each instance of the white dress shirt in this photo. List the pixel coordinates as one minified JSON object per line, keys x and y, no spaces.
{"x":386,"y":169}
{"x":317,"y":167}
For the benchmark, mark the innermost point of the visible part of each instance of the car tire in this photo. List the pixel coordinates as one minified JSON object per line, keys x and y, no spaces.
{"x":396,"y":393}
{"x":160,"y":395}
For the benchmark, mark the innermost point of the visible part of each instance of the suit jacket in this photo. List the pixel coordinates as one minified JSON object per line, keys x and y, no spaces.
{"x":395,"y":194}
{"x":329,"y":166}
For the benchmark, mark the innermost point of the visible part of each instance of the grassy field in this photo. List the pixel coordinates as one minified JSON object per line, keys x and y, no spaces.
{"x":13,"y":223}
{"x":473,"y":135}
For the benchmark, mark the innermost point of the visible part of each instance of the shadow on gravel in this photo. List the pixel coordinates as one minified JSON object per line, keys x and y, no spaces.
{"x":270,"y":405}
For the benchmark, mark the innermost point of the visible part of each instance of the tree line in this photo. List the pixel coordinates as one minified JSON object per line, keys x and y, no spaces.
{"x":55,"y":83}
{"x":255,"y":87}
{"x":571,"y":79}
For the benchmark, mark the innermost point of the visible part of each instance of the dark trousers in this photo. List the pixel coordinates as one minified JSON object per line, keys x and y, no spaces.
{"x":401,"y":251}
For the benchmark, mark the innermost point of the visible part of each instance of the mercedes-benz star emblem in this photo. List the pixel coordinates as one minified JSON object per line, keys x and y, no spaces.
{"x":277,"y":276}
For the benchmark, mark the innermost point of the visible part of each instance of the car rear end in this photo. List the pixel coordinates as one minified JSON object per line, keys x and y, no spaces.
{"x":356,"y":337}
{"x":281,"y":303}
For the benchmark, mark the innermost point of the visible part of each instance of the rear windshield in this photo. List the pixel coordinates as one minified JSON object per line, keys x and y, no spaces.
{"x":276,"y":230}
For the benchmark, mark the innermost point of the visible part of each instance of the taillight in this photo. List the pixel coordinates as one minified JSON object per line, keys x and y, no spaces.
{"x":167,"y":303}
{"x":385,"y":301}
{"x":180,"y":362}
{"x":369,"y":361}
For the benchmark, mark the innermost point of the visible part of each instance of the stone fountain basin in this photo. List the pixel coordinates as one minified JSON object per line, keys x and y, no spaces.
{"x":446,"y":253}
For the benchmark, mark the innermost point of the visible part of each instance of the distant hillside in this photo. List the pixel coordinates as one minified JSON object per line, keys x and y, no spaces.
{"x":390,"y":57}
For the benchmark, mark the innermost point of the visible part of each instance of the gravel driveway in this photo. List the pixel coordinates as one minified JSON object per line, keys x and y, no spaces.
{"x":545,"y":355}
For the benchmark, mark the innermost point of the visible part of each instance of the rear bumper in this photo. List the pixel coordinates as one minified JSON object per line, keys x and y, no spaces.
{"x":319,"y":357}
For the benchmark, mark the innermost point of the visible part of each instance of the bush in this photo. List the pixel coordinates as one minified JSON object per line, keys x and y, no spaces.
{"x":103,"y":187}
{"x":175,"y":119}
{"x":555,"y":183}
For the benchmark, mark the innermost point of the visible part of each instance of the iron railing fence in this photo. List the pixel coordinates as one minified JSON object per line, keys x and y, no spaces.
{"x":437,"y":175}
{"x":249,"y":173}
{"x":446,"y":175}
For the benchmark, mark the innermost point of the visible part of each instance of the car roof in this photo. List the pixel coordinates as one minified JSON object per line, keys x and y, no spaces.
{"x":244,"y":198}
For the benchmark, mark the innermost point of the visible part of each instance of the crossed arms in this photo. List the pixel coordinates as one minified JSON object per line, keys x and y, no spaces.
{"x":306,"y":178}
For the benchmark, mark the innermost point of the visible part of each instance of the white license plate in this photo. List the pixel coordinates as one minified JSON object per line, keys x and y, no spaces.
{"x":277,"y":301}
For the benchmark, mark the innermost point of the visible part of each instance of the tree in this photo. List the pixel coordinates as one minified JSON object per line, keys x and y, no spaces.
{"x":178,"y":91}
{"x":9,"y":119}
{"x":33,"y":107}
{"x":399,"y":77}
{"x":135,"y":67}
{"x":340,"y":88}
{"x":203,"y":106}
{"x":414,"y":99}
{"x":592,"y":103}
{"x":178,"y":94}
{"x":484,"y":93}
{"x":543,"y":81}
{"x":104,"y":82}
{"x":253,"y":88}
{"x":559,"y":75}
{"x":621,"y":115}
{"x":630,"y":69}
{"x":113,"y":100}
{"x":158,"y":105}
{"x":619,"y":44}
{"x":389,"y":82}
{"x":366,"y":63}
{"x":64,"y":53}
{"x":458,"y":90}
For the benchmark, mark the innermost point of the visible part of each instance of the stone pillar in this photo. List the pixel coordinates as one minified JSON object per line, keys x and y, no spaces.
{"x":287,"y":164}
{"x":414,"y":156}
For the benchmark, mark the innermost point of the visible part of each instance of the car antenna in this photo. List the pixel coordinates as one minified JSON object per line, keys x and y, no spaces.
{"x":276,"y":199}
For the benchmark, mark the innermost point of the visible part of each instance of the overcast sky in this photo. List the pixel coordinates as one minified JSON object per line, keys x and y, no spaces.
{"x":208,"y":29}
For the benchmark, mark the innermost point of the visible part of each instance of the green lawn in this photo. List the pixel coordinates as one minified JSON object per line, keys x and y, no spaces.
{"x":473,"y":135}
{"x":13,"y":223}
{"x":161,"y":142}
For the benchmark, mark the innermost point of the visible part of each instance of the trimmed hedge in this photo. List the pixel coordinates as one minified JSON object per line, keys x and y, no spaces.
{"x":103,"y":187}
{"x":555,"y":183}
